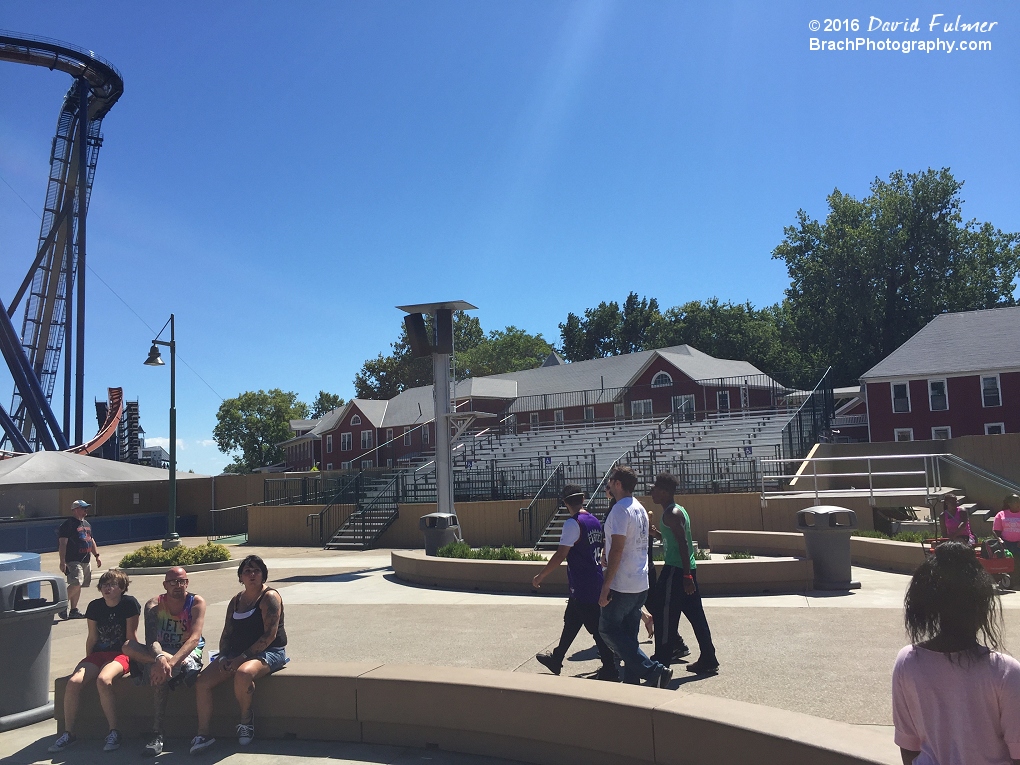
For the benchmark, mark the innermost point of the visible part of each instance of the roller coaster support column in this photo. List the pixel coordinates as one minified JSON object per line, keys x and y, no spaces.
{"x":83,"y":174}
{"x":154,"y":360}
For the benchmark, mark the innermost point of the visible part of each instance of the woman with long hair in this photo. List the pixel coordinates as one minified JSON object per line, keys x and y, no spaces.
{"x":956,"y":697}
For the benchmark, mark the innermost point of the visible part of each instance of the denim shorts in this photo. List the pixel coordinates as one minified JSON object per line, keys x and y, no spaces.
{"x":274,"y":658}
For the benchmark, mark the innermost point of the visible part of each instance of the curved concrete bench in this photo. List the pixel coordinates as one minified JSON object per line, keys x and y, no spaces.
{"x":717,"y":577}
{"x":883,"y":554}
{"x":520,"y":716}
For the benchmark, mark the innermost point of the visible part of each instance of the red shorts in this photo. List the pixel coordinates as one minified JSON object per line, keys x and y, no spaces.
{"x":102,"y":658}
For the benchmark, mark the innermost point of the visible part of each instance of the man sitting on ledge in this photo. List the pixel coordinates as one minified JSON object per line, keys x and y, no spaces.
{"x":251,"y":646}
{"x":173,"y":645}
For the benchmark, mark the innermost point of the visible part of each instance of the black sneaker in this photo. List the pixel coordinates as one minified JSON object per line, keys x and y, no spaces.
{"x":681,"y":651}
{"x":609,"y":674}
{"x":154,"y":747}
{"x":664,"y":679}
{"x":703,"y":667}
{"x":550,"y":662}
{"x":74,"y":613}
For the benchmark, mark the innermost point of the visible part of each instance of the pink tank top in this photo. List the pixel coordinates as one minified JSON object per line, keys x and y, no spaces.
{"x":956,"y":525}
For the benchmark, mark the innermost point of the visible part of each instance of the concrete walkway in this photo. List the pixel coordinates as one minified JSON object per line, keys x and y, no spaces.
{"x":825,"y":654}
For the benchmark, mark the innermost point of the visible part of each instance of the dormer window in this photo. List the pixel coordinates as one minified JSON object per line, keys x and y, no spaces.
{"x":355,"y":420}
{"x":662,"y":380}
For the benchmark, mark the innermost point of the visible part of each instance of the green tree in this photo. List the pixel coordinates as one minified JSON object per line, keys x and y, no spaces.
{"x":385,"y":376}
{"x":254,"y":424}
{"x":501,"y":351}
{"x":878,"y":269}
{"x":606,"y":330}
{"x":325,"y":403}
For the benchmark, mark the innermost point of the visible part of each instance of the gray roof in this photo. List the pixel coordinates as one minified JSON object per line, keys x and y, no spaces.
{"x":305,"y":425}
{"x":375,"y":411}
{"x":956,"y":344}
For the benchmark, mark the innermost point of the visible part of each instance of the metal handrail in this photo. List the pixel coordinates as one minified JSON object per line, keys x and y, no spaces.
{"x":319,"y":516}
{"x":980,"y":472}
{"x":529,"y":511}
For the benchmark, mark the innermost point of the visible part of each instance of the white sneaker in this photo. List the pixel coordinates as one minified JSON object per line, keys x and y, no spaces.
{"x":246,"y":732}
{"x":200,"y":744}
{"x":65,"y":740}
{"x":112,"y":741}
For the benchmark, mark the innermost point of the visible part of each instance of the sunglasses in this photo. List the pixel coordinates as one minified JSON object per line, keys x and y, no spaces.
{"x":176,"y":581}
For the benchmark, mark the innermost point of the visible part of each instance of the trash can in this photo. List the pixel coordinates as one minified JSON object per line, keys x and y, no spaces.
{"x":25,"y":623}
{"x":826,"y":531}
{"x":440,"y":529}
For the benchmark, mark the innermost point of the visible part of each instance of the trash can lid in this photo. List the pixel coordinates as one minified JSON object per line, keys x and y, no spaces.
{"x":826,"y":517}
{"x":11,"y":581}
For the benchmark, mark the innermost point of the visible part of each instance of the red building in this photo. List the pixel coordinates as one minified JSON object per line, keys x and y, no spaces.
{"x":959,"y":376}
{"x":644,"y":385}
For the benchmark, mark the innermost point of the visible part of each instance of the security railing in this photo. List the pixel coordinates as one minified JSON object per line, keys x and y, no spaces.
{"x":810,"y":424}
{"x":228,"y":522}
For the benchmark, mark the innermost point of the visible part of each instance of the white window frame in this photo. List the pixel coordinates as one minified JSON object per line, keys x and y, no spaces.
{"x":945,"y":390}
{"x":407,"y":435}
{"x":367,"y":440}
{"x":719,"y":394}
{"x":355,"y":420}
{"x":389,"y":434}
{"x":589,"y":414}
{"x":329,"y":466}
{"x":946,"y":428}
{"x":367,"y":464}
{"x":329,"y":443}
{"x":425,"y":434}
{"x":678,"y":404}
{"x":533,"y":419}
{"x":900,"y":431}
{"x":641,"y":408}
{"x":558,"y":416}
{"x":892,"y":396}
{"x":618,"y":410}
{"x":998,"y":390}
{"x":666,"y":384}
{"x":389,"y":462}
{"x":1000,"y":425}
{"x":345,"y":465}
{"x":346,"y":442}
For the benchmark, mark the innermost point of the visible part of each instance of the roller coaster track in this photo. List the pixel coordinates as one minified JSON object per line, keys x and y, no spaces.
{"x":48,"y":287}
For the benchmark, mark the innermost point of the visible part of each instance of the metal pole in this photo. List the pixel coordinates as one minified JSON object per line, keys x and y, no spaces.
{"x":68,"y":331}
{"x":83,"y":154}
{"x":172,"y":536}
{"x":444,"y":467}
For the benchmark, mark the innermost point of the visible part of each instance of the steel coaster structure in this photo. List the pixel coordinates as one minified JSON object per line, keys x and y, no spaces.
{"x":53,"y":291}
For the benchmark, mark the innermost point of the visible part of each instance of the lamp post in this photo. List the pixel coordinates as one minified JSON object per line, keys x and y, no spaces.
{"x":154,"y":360}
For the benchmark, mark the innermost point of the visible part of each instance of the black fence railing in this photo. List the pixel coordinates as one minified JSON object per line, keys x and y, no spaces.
{"x":228,"y":522}
{"x":811,"y":423}
{"x":344,"y":501}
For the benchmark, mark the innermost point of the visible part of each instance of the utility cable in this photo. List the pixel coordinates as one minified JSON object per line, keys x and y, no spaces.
{"x":122,"y":300}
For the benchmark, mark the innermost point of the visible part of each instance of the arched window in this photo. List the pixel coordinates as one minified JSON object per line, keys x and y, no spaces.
{"x":662,"y":380}
{"x":355,"y":420}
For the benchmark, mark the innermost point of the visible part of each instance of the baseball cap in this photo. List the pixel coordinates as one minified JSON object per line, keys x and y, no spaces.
{"x":79,"y":503}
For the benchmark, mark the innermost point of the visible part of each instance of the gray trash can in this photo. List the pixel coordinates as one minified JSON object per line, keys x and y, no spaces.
{"x":826,"y":531}
{"x":440,"y":529}
{"x":25,"y":623}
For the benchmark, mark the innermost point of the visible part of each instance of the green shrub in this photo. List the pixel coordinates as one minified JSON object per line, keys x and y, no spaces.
{"x":911,"y":536}
{"x":700,"y":554}
{"x":739,"y":555}
{"x":506,"y":552}
{"x":154,"y":556}
{"x":871,"y":534}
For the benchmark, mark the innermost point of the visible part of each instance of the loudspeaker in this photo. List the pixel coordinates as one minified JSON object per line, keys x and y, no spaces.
{"x":444,"y":331}
{"x":417,"y":336}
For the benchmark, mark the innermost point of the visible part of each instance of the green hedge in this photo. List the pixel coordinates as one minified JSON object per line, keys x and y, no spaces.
{"x":154,"y":556}
{"x":903,"y":536}
{"x":506,"y":552}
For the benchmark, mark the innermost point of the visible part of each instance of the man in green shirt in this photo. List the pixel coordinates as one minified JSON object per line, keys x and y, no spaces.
{"x":676,"y":590}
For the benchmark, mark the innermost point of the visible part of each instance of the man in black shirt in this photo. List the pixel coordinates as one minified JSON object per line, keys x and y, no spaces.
{"x":76,"y":546}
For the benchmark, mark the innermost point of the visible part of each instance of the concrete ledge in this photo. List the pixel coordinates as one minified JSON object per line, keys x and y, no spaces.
{"x":506,"y":714}
{"x":883,"y":554}
{"x":161,"y":570}
{"x":718,"y":577}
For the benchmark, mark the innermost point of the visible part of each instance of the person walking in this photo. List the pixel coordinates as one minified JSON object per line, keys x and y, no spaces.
{"x":625,"y":582}
{"x":113,"y":619}
{"x":581,"y":541}
{"x":76,"y":548}
{"x":1006,"y":525}
{"x":677,"y":587}
{"x":172,"y":652}
{"x":955,"y":696}
{"x":251,"y":646}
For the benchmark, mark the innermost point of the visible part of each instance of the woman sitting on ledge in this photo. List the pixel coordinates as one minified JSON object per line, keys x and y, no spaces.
{"x":251,"y":647}
{"x":955,"y":697}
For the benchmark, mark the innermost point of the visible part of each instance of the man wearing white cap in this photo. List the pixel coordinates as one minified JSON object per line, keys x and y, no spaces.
{"x":76,"y":547}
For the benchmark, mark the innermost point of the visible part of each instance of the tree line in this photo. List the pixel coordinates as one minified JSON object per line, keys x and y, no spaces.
{"x":862,"y":281}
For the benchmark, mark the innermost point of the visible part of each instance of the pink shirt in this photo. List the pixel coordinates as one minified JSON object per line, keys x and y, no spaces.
{"x":1008,"y":523}
{"x":960,"y":712}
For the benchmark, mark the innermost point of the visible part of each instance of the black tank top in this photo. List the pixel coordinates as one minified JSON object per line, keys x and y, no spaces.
{"x":248,"y":627}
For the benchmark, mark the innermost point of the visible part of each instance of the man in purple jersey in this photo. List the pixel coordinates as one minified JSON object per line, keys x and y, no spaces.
{"x":580,"y":545}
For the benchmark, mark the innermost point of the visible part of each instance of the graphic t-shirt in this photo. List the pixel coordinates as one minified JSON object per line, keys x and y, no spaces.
{"x":79,"y":539}
{"x":172,"y":631}
{"x":111,"y":623}
{"x":628,"y":518}
{"x":584,"y":574}
{"x":1008,"y":523}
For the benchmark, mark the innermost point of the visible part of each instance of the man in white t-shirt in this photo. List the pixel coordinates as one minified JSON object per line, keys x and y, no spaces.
{"x":625,"y":585}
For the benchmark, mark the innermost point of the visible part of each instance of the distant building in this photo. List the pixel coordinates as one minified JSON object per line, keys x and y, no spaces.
{"x":644,"y":385}
{"x":958,"y":376}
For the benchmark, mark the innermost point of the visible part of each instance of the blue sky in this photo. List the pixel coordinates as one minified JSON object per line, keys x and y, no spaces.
{"x":281,"y":175}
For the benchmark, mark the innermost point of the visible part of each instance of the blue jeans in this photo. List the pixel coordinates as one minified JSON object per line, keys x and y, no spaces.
{"x":619,"y":624}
